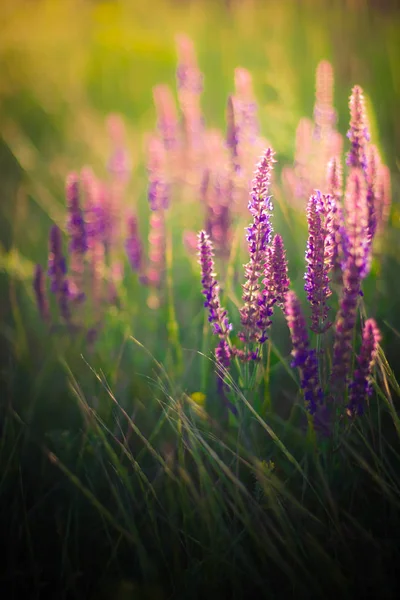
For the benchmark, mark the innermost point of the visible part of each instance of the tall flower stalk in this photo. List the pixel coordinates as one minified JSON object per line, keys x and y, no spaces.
{"x":319,"y":258}
{"x":253,"y":318}
{"x":360,"y":388}
{"x":304,"y":358}
{"x":57,"y":269}
{"x":78,"y":238}
{"x":354,"y":271}
{"x":358,"y":133}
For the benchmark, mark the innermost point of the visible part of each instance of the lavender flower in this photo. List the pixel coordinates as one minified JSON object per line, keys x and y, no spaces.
{"x":57,"y":270}
{"x":217,"y":315}
{"x":39,"y":287}
{"x":258,"y":237}
{"x":335,"y":189}
{"x":373,"y":165}
{"x":276,"y":281}
{"x":133,"y":244}
{"x":304,"y":358}
{"x":358,"y":133}
{"x":361,"y":385}
{"x":158,"y":192}
{"x":354,"y":270}
{"x":319,"y":258}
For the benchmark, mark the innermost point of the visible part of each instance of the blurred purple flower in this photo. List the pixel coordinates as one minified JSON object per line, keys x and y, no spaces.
{"x":360,"y":387}
{"x":133,"y":244}
{"x":304,"y":358}
{"x":57,"y":270}
{"x":158,"y":191}
{"x":358,"y":133}
{"x":354,"y":271}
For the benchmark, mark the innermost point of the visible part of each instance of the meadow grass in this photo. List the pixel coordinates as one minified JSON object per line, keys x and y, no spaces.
{"x":116,"y":481}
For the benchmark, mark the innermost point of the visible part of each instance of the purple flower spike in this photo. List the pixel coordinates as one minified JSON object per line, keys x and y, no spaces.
{"x":39,"y":287}
{"x":354,"y":271}
{"x":217,"y":315}
{"x":258,"y":238}
{"x":358,"y":133}
{"x":303,"y":358}
{"x":335,"y":189}
{"x":357,"y":222}
{"x":277,"y":281}
{"x":319,"y":258}
{"x":133,"y":244}
{"x":361,"y":385}
{"x":373,"y":166}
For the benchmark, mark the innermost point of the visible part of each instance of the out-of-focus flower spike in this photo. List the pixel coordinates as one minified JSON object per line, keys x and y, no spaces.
{"x":188,"y":74}
{"x":324,"y":113}
{"x":247,"y":108}
{"x":57,"y":270}
{"x":354,"y":269}
{"x":119,"y":163}
{"x":133,"y":244}
{"x":190,"y":86}
{"x":39,"y":286}
{"x":303,"y":358}
{"x":78,"y":237}
{"x":384,"y":197}
{"x":167,"y":118}
{"x":358,"y":133}
{"x":232,"y":131}
{"x":335,"y":179}
{"x":361,"y":387}
{"x":356,"y":208}
{"x":158,"y":191}
{"x":96,"y":231}
{"x":156,"y":257}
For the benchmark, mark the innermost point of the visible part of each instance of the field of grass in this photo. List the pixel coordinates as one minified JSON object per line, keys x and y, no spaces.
{"x":125,"y":471}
